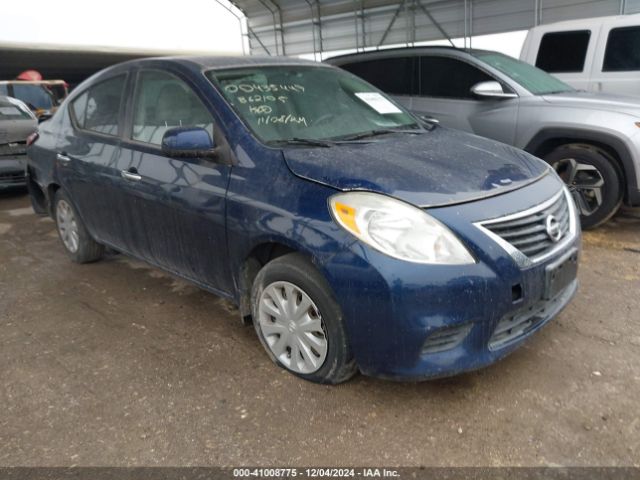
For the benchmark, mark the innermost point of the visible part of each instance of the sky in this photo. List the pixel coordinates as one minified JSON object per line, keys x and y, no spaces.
{"x":187,"y":25}
{"x":191,"y":25}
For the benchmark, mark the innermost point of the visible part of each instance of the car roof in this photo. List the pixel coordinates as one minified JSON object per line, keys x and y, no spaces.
{"x":224,"y":62}
{"x":588,"y":22}
{"x":398,"y":52}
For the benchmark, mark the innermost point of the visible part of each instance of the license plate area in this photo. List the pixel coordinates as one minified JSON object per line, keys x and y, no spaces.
{"x":559,"y":274}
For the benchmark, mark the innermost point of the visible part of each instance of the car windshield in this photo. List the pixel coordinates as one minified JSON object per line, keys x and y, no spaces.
{"x":286,"y":103}
{"x":35,"y":96}
{"x":533,"y":79}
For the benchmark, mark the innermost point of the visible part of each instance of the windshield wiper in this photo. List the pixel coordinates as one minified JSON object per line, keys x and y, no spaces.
{"x":303,"y":141}
{"x":382,"y":131}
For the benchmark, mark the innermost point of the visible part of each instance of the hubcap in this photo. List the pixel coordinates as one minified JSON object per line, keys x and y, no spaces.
{"x":292,"y":326}
{"x":67,"y":226}
{"x":585,"y":183}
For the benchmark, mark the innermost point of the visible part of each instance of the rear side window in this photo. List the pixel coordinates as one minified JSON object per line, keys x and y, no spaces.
{"x":396,"y":76}
{"x":449,"y":78}
{"x":563,"y":52}
{"x":163,"y":102}
{"x":98,"y":109}
{"x":623,"y":50}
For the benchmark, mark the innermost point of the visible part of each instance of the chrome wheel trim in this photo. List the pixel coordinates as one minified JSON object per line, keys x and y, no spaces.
{"x":292,"y":327}
{"x":585,"y":183}
{"x":67,"y":226}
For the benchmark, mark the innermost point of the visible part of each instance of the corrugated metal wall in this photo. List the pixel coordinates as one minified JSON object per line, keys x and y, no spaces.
{"x":294,"y":27}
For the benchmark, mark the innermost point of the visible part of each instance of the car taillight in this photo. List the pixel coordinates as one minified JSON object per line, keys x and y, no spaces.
{"x":32,"y":138}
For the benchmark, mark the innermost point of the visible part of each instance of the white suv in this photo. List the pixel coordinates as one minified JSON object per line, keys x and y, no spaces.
{"x":596,"y":54}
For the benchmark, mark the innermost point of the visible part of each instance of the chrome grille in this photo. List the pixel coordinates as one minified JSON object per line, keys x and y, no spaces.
{"x":528,"y":231}
{"x":12,"y":178}
{"x":17,"y":148}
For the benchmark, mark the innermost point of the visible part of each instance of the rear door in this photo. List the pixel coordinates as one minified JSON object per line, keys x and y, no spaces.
{"x":87,"y":155}
{"x":568,"y":55}
{"x":176,"y":206}
{"x":617,"y":63}
{"x":445,"y":94}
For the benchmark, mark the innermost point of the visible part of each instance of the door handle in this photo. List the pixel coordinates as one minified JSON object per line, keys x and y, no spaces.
{"x":132,"y":176}
{"x":63,"y":158}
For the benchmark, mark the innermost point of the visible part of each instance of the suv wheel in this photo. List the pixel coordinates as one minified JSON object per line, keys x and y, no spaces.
{"x":299,"y":323}
{"x":74,"y":235}
{"x":592,"y":178}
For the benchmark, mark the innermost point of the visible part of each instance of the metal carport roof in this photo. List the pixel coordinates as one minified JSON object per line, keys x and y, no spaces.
{"x":295,"y":27}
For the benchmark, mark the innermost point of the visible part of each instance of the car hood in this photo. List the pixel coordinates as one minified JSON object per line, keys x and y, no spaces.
{"x":435,"y":168}
{"x":16,"y":130}
{"x":596,"y":101}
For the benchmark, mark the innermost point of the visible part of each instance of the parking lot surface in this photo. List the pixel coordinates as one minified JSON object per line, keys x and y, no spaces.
{"x":118,"y":363}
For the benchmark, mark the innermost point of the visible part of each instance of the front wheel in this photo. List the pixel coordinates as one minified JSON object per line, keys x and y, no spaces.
{"x":593,"y":179}
{"x":74,"y":235}
{"x":299,"y":323}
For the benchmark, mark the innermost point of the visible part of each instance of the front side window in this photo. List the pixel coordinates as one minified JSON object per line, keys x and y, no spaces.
{"x":563,"y":52}
{"x":163,"y":102}
{"x":531,"y":78}
{"x":396,"y":76}
{"x":623,"y":50}
{"x":98,"y":109}
{"x":282,"y":103}
{"x":446,"y":77}
{"x":35,"y":96}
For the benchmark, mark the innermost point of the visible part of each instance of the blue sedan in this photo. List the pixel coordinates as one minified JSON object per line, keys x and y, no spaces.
{"x":353,"y":235}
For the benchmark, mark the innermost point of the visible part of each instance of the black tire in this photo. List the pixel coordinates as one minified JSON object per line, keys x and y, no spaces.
{"x":88,"y":250}
{"x":610,"y":193}
{"x":339,"y":365}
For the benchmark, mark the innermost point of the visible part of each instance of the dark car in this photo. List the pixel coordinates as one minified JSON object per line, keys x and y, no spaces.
{"x":353,"y":235}
{"x":16,"y":124}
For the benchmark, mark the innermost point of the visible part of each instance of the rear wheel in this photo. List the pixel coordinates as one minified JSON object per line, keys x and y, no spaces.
{"x":299,"y":323}
{"x":593,"y":179}
{"x":74,"y":235}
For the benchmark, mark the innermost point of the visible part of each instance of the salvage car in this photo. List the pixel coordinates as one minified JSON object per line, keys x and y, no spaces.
{"x":592,"y":140}
{"x":17,"y":122}
{"x":352,"y":234}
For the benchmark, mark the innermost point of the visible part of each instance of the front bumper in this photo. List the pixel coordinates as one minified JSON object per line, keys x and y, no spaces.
{"x":12,"y":172}
{"x":410,"y":321}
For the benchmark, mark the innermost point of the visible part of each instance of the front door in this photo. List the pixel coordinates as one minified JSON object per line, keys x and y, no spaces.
{"x":176,"y":206}
{"x":445,"y":94}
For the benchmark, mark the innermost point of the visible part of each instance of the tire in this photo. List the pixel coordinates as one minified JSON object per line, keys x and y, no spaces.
{"x":291,"y":276}
{"x":593,"y":178}
{"x":73,"y":234}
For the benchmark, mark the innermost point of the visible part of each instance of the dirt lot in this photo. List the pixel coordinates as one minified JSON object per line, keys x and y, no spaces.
{"x":117,"y":363}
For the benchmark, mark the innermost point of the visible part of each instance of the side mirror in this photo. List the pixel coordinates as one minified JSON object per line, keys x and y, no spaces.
{"x":491,"y":89}
{"x":188,"y":142}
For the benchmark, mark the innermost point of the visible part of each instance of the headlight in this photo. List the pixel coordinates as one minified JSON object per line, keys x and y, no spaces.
{"x":398,"y":229}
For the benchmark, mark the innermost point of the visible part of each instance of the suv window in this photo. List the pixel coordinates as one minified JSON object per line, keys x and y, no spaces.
{"x":449,"y":78}
{"x":98,"y":109}
{"x":563,"y":52}
{"x":397,"y":76}
{"x":163,"y":102}
{"x":623,"y":50}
